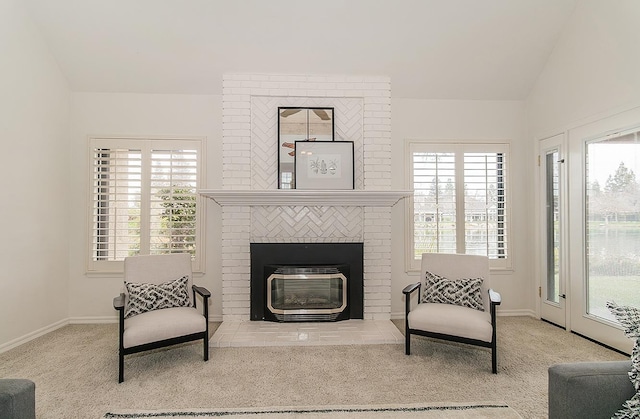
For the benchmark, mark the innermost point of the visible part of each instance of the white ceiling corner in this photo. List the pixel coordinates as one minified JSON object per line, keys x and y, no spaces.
{"x":431,"y":49}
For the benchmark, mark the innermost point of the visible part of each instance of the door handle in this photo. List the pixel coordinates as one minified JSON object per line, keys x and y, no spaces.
{"x":562,"y":295}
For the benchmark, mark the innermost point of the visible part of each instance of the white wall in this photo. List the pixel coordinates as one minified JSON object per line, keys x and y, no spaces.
{"x":458,"y":121}
{"x":34,"y":111}
{"x":166,"y":115}
{"x":90,"y":296}
{"x":594,"y":69}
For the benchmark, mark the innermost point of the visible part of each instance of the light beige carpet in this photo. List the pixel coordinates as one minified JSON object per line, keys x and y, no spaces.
{"x":75,"y":370}
{"x":410,"y":411}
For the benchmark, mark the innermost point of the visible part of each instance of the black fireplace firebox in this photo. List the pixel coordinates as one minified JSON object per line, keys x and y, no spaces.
{"x":307,"y":281}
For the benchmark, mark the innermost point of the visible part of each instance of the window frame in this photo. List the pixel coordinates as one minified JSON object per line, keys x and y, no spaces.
{"x":413,"y":264}
{"x":146,"y":145}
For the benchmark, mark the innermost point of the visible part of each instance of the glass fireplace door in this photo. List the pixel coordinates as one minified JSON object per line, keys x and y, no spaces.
{"x":303,"y":293}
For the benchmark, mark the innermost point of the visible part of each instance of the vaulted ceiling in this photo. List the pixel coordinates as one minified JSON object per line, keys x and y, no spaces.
{"x":431,"y":49}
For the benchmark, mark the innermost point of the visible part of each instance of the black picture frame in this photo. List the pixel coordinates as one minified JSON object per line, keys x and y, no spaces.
{"x":300,"y":124}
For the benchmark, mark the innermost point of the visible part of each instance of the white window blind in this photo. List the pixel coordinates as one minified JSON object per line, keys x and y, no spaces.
{"x":143,"y":200}
{"x":460,"y":201}
{"x":117,"y":183}
{"x":484,"y":204}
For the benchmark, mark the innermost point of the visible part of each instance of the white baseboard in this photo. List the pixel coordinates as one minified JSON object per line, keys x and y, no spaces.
{"x":397,"y":316}
{"x":516,"y":313}
{"x":35,"y":334}
{"x":93,"y":320}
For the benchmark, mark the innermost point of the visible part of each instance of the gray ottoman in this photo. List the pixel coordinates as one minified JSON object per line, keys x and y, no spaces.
{"x":17,"y":399}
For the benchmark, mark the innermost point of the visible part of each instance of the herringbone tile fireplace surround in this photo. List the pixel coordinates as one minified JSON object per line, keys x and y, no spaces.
{"x":362,"y":109}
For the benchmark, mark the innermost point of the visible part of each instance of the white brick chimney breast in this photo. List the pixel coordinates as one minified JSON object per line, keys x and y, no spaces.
{"x":362,"y":113}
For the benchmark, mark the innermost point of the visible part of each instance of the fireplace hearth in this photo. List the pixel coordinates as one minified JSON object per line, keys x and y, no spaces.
{"x":294,"y":282}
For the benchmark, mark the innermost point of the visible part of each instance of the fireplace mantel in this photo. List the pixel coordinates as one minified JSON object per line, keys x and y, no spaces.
{"x":294,"y":197}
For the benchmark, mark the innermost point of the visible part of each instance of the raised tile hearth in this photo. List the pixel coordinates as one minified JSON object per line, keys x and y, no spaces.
{"x":347,"y":332}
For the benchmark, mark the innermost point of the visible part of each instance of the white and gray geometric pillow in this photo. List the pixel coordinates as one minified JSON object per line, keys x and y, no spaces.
{"x":629,"y":318}
{"x":148,"y":297}
{"x":461,"y":292}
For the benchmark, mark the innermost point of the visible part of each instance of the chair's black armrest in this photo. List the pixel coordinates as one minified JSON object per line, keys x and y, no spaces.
{"x":118,"y":302}
{"x":494,"y":297}
{"x":410,"y":288}
{"x":205,"y":300}
{"x":202,"y":291}
{"x":407,"y":298}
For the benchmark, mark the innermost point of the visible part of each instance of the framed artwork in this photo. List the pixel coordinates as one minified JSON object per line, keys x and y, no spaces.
{"x":299,"y":124}
{"x":324,"y":165}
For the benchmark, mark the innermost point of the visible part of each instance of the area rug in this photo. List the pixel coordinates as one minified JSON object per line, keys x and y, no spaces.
{"x":411,"y":411}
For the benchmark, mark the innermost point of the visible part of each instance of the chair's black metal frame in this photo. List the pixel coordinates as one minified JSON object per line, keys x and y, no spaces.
{"x":494,"y":299}
{"x":118,"y":304}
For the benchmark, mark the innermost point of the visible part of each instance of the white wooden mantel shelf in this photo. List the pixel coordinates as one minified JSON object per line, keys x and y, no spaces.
{"x":294,"y":197}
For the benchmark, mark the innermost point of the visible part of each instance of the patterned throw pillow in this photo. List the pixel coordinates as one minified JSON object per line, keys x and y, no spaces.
{"x":148,"y":297}
{"x":460,"y":292}
{"x":629,"y":318}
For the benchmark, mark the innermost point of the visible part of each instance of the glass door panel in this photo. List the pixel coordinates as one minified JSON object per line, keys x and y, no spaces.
{"x":604,"y":224}
{"x":553,"y":281}
{"x":612,"y":223}
{"x":553,"y":225}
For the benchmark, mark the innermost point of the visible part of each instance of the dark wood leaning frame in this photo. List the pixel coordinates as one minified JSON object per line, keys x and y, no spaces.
{"x":118,"y":304}
{"x":494,"y":300}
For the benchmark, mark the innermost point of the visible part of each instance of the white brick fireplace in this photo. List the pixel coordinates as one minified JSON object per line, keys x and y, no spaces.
{"x":254,"y":210}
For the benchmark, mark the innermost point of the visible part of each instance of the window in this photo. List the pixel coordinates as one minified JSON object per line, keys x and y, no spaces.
{"x":612,"y":222}
{"x":143,"y":200}
{"x":460,"y":201}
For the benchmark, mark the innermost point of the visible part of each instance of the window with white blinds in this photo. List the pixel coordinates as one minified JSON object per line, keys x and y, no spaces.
{"x":460,"y":201}
{"x":143,"y":199}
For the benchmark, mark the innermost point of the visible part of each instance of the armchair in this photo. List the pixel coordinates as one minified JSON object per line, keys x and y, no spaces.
{"x":453,"y":322}
{"x":166,"y":326}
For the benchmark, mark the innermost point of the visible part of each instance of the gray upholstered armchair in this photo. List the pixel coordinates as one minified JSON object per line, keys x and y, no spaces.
{"x":452,"y":321}
{"x":163,"y":313}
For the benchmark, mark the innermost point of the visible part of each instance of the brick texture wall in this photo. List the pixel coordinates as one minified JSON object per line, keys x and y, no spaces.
{"x":362,"y":113}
